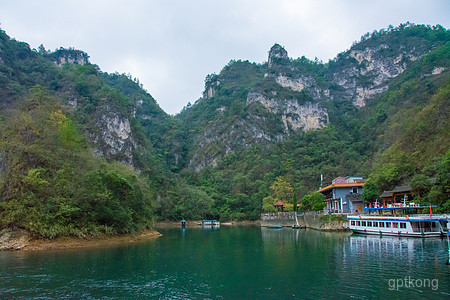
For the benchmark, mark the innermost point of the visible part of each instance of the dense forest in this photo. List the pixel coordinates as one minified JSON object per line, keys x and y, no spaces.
{"x":84,"y":152}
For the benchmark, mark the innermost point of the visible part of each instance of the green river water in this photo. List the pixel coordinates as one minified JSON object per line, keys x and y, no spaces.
{"x":239,"y":262}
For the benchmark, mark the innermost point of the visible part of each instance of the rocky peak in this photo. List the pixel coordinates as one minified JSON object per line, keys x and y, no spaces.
{"x":71,"y":56}
{"x":277,"y":51}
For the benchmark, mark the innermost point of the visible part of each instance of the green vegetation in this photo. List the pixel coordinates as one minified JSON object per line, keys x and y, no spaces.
{"x":54,"y":185}
{"x":401,"y":133}
{"x":332,"y":218}
{"x":51,"y":181}
{"x":222,"y":157}
{"x":312,"y":202}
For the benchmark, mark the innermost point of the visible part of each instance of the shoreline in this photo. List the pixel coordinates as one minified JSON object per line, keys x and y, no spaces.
{"x":23,"y":241}
{"x":194,"y":224}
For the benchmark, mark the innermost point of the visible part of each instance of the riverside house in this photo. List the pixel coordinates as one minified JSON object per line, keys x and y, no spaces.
{"x":343,"y":195}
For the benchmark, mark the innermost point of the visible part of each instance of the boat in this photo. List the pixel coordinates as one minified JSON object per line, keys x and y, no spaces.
{"x":274,"y":226}
{"x":398,"y":220}
{"x":209,"y":223}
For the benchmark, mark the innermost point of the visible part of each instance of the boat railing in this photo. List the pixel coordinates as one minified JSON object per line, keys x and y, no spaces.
{"x":421,"y":216}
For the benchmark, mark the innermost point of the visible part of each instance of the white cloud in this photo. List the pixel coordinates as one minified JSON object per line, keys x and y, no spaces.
{"x":172,"y":45}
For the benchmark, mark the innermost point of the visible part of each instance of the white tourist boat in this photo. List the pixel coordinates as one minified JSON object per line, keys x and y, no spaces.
{"x":209,"y":223}
{"x":398,"y":220}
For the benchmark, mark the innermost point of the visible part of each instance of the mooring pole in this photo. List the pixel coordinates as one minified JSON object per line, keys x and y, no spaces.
{"x":448,"y":242}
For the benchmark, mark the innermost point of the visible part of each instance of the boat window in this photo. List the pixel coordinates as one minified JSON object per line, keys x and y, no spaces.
{"x":353,"y":223}
{"x":369,"y":223}
{"x":358,"y":223}
{"x":375,"y":224}
{"x":363,"y":223}
{"x":381,"y":224}
{"x":395,"y":224}
{"x":388,"y":224}
{"x":402,"y":225}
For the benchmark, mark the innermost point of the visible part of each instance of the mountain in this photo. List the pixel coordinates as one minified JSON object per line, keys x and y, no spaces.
{"x":297,"y":118}
{"x":82,"y":152}
{"x":85,"y":152}
{"x":248,"y":103}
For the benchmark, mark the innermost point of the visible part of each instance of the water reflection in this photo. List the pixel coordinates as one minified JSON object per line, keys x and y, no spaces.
{"x":233,"y":263}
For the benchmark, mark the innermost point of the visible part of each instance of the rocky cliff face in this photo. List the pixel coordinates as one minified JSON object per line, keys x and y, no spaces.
{"x":71,"y":56}
{"x":270,"y":114}
{"x":367,"y":71}
{"x":113,"y":136}
{"x":277,"y":53}
{"x":295,"y":95}
{"x":211,"y":89}
{"x":295,"y":116}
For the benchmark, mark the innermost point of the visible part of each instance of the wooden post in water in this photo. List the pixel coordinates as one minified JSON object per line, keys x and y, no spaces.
{"x":448,"y":241}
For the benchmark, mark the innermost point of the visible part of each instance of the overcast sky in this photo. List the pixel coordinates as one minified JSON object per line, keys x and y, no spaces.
{"x":171,"y":45}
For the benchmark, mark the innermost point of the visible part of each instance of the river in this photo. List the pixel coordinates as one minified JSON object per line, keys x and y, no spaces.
{"x":239,"y":262}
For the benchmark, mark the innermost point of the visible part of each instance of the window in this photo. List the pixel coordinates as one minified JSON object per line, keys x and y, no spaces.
{"x":369,"y":224}
{"x":355,"y":190}
{"x":381,"y":224}
{"x":375,"y":224}
{"x":402,"y":225}
{"x":363,"y":223}
{"x":353,"y":223}
{"x":395,"y":224}
{"x":388,"y":224}
{"x":358,"y":223}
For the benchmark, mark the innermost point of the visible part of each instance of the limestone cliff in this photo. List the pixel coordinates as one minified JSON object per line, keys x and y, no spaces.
{"x":113,"y":136}
{"x":367,"y":71}
{"x":294,"y":116}
{"x":248,"y":104}
{"x":71,"y":56}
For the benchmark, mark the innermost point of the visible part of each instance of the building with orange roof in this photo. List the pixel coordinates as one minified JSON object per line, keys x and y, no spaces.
{"x":343,"y":195}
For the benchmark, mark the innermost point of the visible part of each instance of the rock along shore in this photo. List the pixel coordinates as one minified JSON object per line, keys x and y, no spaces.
{"x":23,"y":240}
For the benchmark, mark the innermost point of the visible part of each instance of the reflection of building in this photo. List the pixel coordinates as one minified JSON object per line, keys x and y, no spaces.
{"x":343,"y":195}
{"x":380,"y":247}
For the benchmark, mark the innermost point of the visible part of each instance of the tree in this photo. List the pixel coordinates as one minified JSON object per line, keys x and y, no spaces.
{"x":268,"y":203}
{"x":282,"y":190}
{"x":313,"y":201}
{"x":294,"y":202}
{"x":420,"y":185}
{"x":370,"y":191}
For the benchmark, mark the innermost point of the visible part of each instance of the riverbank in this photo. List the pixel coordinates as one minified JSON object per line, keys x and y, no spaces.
{"x":22,"y":240}
{"x":193,"y":224}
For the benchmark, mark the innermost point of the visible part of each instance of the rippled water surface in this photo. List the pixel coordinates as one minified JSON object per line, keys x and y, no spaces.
{"x":236,"y":263}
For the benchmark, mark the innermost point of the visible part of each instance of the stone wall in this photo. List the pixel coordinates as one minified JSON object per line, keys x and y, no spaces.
{"x":285,"y":219}
{"x":309,"y":220}
{"x":321,"y":222}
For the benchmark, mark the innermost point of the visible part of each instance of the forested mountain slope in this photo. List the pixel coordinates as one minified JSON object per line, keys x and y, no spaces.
{"x":297,"y":119}
{"x":82,"y":151}
{"x":86,"y":152}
